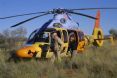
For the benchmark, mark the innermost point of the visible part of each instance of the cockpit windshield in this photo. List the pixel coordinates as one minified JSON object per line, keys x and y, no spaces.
{"x":42,"y":37}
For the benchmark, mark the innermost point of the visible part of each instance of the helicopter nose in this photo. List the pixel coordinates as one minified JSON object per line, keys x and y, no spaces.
{"x":26,"y":52}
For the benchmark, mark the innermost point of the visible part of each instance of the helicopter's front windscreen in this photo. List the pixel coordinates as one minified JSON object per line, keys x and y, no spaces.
{"x":43,"y":37}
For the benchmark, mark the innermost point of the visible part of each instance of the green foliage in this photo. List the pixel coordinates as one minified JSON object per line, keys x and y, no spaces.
{"x":113,"y":32}
{"x":12,"y":38}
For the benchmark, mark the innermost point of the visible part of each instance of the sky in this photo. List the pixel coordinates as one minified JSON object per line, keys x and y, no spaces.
{"x":14,"y":7}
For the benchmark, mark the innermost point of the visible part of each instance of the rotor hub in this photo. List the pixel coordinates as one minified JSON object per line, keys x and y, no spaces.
{"x":59,"y":11}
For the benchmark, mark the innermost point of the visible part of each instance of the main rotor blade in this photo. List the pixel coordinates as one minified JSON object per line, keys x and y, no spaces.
{"x":43,"y":28}
{"x":28,"y":20}
{"x":84,"y":15}
{"x":92,"y":8}
{"x":20,"y":15}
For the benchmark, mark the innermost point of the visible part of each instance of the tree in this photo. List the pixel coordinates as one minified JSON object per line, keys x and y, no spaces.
{"x":113,"y":32}
{"x":11,"y":38}
{"x":19,"y":32}
{"x":2,"y":40}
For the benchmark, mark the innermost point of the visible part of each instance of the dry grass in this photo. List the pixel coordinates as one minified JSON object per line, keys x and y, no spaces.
{"x":93,"y":63}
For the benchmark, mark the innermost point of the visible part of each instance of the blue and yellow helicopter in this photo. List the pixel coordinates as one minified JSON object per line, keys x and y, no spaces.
{"x":38,"y":43}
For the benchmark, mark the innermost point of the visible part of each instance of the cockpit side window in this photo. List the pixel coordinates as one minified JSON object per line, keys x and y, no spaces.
{"x":32,"y":35}
{"x":65,"y":35}
{"x":59,"y":34}
{"x":31,"y":38}
{"x":81,"y":36}
{"x":43,"y":37}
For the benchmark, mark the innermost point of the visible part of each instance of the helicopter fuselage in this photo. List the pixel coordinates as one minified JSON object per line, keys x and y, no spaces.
{"x":40,"y":47}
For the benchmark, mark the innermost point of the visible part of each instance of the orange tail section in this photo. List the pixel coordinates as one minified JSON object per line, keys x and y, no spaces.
{"x":97,"y":32}
{"x":97,"y":22}
{"x":98,"y":37}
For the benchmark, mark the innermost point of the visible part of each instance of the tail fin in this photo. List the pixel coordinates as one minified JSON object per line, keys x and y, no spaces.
{"x":97,"y":31}
{"x":97,"y":37}
{"x":97,"y":22}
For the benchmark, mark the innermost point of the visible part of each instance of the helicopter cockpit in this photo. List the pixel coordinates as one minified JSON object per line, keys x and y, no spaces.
{"x":43,"y":37}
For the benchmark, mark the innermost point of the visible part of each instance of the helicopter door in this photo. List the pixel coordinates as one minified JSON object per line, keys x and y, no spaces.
{"x":74,"y":42}
{"x":65,"y":40}
{"x":81,"y":43}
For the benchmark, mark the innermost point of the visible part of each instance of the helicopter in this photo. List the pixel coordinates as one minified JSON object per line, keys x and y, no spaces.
{"x":38,"y":43}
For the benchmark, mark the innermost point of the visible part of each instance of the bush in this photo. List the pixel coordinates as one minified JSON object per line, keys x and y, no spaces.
{"x":113,"y":32}
{"x":93,"y":63}
{"x":9,"y":39}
